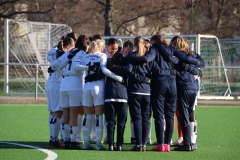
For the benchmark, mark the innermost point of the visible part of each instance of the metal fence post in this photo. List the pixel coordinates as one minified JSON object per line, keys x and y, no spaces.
{"x":36,"y":82}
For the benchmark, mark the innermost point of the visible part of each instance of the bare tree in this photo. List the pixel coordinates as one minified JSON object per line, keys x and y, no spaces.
{"x":217,"y":17}
{"x":8,"y":10}
{"x":119,"y":16}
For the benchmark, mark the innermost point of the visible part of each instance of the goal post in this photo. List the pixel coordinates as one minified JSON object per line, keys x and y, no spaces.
{"x":25,"y":46}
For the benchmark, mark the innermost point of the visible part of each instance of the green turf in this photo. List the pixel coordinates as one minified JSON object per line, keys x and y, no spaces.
{"x":218,"y":136}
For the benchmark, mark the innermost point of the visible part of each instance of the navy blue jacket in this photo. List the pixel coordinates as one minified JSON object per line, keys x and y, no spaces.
{"x":165,"y":66}
{"x":184,"y":79}
{"x":115,"y":89}
{"x":160,"y":52}
{"x":150,"y":70}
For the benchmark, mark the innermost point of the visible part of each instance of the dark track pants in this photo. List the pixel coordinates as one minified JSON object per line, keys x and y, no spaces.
{"x":163,"y":99}
{"x":140,"y":111}
{"x":113,"y":110}
{"x":186,"y":101}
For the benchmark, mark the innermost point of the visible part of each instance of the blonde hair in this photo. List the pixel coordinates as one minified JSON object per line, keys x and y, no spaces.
{"x":140,"y":47}
{"x":96,"y":45}
{"x":182,"y":45}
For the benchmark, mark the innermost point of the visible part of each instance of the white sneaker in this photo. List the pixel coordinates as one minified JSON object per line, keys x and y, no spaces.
{"x":79,"y":140}
{"x":178,"y":142}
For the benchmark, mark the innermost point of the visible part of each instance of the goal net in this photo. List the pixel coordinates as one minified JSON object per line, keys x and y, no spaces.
{"x":26,"y":44}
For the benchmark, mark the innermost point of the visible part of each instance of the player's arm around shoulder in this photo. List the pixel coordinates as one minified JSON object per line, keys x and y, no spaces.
{"x":107,"y":72}
{"x":81,"y":66}
{"x":201,"y":60}
{"x":61,"y":62}
{"x":52,"y":51}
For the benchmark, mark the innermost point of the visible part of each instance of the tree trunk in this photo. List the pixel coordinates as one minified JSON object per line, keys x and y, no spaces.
{"x":108,"y":17}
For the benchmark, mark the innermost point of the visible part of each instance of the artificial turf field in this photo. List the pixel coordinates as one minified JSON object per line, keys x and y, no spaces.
{"x":24,"y":135}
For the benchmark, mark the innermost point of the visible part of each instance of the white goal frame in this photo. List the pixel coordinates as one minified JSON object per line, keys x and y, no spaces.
{"x":40,"y":37}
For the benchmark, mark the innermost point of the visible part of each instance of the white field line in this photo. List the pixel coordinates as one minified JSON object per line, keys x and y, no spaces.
{"x":51,"y":155}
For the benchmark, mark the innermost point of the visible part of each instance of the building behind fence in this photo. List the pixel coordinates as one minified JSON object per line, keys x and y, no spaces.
{"x":25,"y":65}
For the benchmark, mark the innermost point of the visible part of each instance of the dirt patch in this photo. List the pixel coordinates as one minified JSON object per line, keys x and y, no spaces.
{"x":43,"y":100}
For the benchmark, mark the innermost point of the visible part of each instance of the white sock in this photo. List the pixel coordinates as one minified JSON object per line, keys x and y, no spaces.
{"x":194,"y":133}
{"x":93,"y":128}
{"x":86,"y":127}
{"x":105,"y":128}
{"x":78,"y":138}
{"x":164,"y":125}
{"x":56,"y":125}
{"x":132,"y":130}
{"x":99,"y":128}
{"x":191,"y":131}
{"x":50,"y":125}
{"x":65,"y":132}
{"x":73,"y":133}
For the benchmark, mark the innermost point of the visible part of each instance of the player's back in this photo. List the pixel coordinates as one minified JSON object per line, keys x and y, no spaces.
{"x":93,"y":59}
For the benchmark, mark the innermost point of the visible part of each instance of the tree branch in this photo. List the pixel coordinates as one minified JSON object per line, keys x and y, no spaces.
{"x":28,"y":12}
{"x":25,"y":12}
{"x":10,"y":1}
{"x":130,"y":32}
{"x":100,"y":2}
{"x":147,"y":14}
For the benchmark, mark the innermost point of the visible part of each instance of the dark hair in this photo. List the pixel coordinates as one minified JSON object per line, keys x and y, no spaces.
{"x":158,"y":38}
{"x":147,"y":40}
{"x":147,"y":43}
{"x":116,"y":58}
{"x":63,"y":43}
{"x":62,"y":38}
{"x":112,"y":41}
{"x":128,"y":44}
{"x":82,"y":43}
{"x":73,"y":35}
{"x":96,"y":36}
{"x":174,"y":40}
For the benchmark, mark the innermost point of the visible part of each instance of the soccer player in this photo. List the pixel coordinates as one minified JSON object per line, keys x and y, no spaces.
{"x":187,"y":92}
{"x":93,"y":94}
{"x":110,"y":50}
{"x":139,"y":100}
{"x":53,"y":89}
{"x":127,"y":48}
{"x":71,"y":91}
{"x":116,"y":103}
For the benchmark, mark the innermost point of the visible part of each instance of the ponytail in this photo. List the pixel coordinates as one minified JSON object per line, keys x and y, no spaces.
{"x":60,"y":45}
{"x":139,"y":45}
